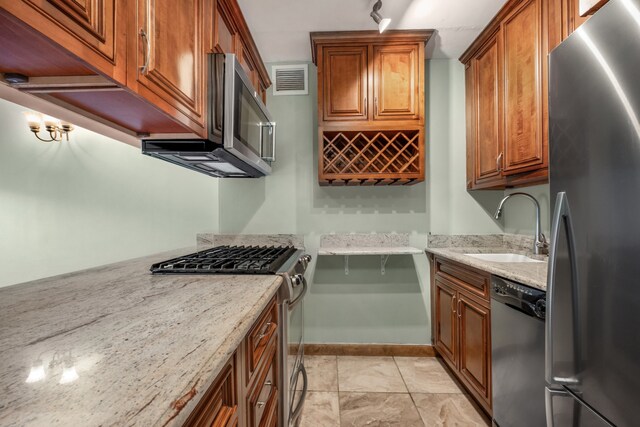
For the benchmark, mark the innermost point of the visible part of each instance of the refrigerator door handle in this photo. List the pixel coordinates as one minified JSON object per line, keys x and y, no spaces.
{"x":548,"y":403}
{"x":561,"y":216}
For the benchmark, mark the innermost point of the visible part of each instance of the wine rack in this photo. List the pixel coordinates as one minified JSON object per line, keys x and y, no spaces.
{"x":371,"y":157}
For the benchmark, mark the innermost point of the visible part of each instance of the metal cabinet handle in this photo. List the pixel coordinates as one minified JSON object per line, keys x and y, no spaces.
{"x":459,"y":308}
{"x":261,"y":404}
{"x":266,"y":329}
{"x":147,"y":48}
{"x":453,"y":304}
{"x":499,"y":162}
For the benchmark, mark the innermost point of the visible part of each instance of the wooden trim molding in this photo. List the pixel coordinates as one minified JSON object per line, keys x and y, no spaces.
{"x":408,"y":350}
{"x":336,"y":38}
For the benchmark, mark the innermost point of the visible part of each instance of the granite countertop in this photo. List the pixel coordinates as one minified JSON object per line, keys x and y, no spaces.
{"x":528,"y":273}
{"x":144,"y":347}
{"x":366,"y":244}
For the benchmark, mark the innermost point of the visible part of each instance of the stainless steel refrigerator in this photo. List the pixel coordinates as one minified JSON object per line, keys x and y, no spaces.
{"x":593,"y":296}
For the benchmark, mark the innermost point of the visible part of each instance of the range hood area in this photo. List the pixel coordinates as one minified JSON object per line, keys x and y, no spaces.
{"x":241,"y":134}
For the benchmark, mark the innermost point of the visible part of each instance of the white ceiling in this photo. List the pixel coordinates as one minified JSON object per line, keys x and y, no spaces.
{"x":281,"y":27}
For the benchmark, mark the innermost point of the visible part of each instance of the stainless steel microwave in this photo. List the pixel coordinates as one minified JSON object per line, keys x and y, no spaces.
{"x":241,"y":139}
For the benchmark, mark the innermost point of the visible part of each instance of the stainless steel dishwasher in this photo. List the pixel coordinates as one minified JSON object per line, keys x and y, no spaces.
{"x":517,"y":353}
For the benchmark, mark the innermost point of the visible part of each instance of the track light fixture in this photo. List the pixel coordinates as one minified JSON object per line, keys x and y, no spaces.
{"x":383,"y":23}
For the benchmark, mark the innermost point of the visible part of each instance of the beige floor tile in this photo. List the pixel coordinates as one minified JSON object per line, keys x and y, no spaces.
{"x":369,"y":374}
{"x":322,"y":372}
{"x":448,"y":410}
{"x":321,"y":409}
{"x":426,"y":375}
{"x":378,"y":410}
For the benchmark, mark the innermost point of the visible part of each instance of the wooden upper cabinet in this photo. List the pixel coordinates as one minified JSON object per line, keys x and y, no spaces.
{"x":370,"y":106}
{"x":345,"y":83}
{"x":170,"y":62}
{"x":225,"y":33}
{"x":93,"y":30}
{"x":507,"y":114}
{"x":475,"y":344}
{"x":396,"y":82}
{"x":522,"y":84}
{"x":486,"y":102}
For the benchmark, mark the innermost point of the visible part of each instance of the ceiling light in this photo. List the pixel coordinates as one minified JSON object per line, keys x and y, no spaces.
{"x":383,"y":23}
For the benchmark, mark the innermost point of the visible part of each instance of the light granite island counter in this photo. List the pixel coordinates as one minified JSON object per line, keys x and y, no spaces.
{"x":120,"y":346}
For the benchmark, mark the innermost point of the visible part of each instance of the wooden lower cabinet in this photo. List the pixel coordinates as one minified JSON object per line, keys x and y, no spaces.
{"x":462,"y":326}
{"x":244,"y":396}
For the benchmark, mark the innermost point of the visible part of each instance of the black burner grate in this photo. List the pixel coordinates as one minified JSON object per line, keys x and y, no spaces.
{"x":228,"y":260}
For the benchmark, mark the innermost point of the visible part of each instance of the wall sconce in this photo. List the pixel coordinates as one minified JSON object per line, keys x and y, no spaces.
{"x":383,"y":23}
{"x":57,"y":130}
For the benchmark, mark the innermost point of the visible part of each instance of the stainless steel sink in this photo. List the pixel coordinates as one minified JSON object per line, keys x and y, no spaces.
{"x":503,"y":257}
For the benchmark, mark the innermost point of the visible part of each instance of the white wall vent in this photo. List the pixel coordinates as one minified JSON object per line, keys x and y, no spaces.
{"x":290,"y":79}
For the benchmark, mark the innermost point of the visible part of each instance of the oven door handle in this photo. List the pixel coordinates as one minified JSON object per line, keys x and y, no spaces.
{"x":295,"y":414}
{"x":301,"y":295}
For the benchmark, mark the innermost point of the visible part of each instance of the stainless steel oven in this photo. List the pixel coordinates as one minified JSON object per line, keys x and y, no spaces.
{"x":241,"y":138}
{"x":293,"y":374}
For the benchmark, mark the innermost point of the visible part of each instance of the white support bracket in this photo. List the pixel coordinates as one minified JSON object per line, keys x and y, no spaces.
{"x":383,"y":262}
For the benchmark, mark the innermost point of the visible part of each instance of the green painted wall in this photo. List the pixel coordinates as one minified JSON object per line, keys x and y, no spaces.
{"x":92,"y":201}
{"x":519,"y":213}
{"x":364,"y":307}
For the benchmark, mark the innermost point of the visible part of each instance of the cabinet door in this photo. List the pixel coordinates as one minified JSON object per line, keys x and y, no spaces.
{"x":90,"y":29}
{"x":488,"y":141}
{"x":225,"y":32}
{"x":396,"y":82}
{"x":522,"y":50}
{"x":345,"y":83}
{"x":218,"y":407}
{"x":445,"y":321}
{"x":475,"y":346}
{"x":170,"y":66}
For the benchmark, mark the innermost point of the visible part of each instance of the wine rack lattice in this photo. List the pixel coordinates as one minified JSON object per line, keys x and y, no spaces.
{"x":370,"y":157}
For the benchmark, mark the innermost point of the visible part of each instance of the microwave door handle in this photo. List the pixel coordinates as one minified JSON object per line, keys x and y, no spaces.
{"x":272,"y":132}
{"x":261,"y":125}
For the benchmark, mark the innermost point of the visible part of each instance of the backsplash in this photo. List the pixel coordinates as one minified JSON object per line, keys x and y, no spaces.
{"x":516,"y":242}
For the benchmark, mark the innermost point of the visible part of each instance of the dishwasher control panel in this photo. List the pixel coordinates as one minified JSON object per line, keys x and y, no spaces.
{"x":530,"y":300}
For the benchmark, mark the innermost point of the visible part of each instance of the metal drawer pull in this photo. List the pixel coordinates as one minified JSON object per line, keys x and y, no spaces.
{"x":261,"y":404}
{"x":499,"y":162}
{"x":147,"y":45}
{"x":266,"y":329}
{"x":453,"y":304}
{"x":268,"y":383}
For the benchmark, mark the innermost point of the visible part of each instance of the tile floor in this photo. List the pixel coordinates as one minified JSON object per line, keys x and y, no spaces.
{"x":385,"y":391}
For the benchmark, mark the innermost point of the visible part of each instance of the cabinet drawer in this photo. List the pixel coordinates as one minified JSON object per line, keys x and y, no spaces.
{"x":260,"y":336}
{"x":219,"y":406}
{"x":469,"y":279}
{"x":263,"y":399}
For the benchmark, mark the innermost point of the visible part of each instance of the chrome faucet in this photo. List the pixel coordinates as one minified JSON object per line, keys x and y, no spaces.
{"x":540,"y":245}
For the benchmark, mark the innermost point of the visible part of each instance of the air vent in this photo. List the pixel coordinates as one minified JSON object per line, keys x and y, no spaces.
{"x":291,"y":79}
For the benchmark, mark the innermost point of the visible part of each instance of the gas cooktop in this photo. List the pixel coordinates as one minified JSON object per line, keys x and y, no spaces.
{"x":228,"y":260}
